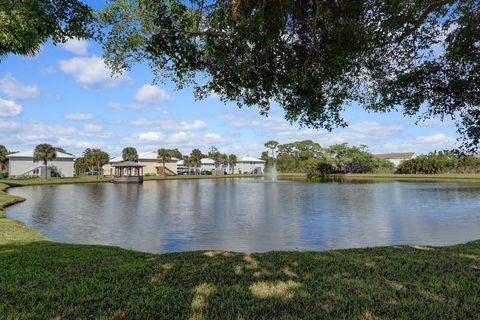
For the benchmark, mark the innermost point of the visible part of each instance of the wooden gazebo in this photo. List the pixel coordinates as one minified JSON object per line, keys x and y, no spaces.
{"x":127,"y":172}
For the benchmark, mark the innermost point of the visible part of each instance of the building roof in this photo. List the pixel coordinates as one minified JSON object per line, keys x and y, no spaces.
{"x":127,"y":164}
{"x":207,"y":161}
{"x":398,"y":155}
{"x":29,"y":154}
{"x":116,"y":159}
{"x":153,"y":155}
{"x":249,"y":159}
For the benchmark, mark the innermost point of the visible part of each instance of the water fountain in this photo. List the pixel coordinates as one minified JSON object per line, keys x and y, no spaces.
{"x":272,"y":172}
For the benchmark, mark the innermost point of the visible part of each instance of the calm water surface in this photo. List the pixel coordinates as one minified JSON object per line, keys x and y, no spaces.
{"x":252,"y":214}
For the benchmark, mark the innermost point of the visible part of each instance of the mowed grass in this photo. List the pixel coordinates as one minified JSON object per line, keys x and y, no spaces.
{"x":46,"y":280}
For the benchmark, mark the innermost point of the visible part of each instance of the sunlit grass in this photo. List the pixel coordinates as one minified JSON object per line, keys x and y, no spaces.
{"x":46,"y":280}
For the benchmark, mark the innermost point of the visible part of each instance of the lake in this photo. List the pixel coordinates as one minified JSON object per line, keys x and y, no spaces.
{"x":252,"y":214}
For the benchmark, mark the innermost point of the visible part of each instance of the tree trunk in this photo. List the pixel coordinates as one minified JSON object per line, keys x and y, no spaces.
{"x":46,"y":169}
{"x":164,"y":169}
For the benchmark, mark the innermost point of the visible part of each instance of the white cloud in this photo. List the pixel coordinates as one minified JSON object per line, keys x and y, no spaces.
{"x":151,"y":94}
{"x":179,"y":137}
{"x":213,"y":137}
{"x":182,"y":139}
{"x":8,"y":108}
{"x":78,"y":116}
{"x":92,"y":127}
{"x":46,"y":69}
{"x":149,"y":136}
{"x":78,"y":144}
{"x":423,"y":144}
{"x":135,"y":106}
{"x":436,"y":122}
{"x":7,"y":126}
{"x":14,"y":89}
{"x":169,"y":124}
{"x":78,"y":46}
{"x":434,"y":139}
{"x":90,"y":71}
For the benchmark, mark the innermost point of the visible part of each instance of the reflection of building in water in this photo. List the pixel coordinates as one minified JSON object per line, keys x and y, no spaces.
{"x":396,"y":158}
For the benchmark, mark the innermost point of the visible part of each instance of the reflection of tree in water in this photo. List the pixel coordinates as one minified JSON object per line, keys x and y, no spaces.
{"x":46,"y":200}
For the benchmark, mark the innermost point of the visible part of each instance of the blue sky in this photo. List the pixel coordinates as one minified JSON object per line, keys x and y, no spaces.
{"x":65,"y":96}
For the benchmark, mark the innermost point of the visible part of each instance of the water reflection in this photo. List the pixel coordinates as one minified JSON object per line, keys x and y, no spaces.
{"x":253,"y":214}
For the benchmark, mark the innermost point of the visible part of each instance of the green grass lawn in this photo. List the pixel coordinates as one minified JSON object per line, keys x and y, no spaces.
{"x":46,"y":280}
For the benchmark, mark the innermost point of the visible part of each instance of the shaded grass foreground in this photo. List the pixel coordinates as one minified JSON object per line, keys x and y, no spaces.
{"x":46,"y":280}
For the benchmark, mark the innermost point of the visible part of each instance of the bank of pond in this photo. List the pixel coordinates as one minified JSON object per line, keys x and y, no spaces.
{"x":253,"y":214}
{"x":226,"y":219}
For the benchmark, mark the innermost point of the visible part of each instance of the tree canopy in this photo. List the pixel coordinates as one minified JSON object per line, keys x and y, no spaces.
{"x":3,"y":158}
{"x":25,"y":25}
{"x":313,"y":58}
{"x":130,"y":154}
{"x":95,"y":158}
{"x":44,"y":152}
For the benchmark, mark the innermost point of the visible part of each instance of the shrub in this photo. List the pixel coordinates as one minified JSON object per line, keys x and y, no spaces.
{"x":319,"y":168}
{"x":440,"y":162}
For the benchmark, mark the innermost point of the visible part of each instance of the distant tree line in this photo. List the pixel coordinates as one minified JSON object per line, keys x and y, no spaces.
{"x":441,"y":162}
{"x":310,"y":157}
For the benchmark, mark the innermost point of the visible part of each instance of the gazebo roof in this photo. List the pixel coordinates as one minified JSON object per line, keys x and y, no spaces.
{"x":127,"y":164}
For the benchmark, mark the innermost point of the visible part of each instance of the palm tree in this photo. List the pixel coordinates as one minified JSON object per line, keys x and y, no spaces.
{"x":223,"y":159}
{"x":3,"y":158}
{"x":272,"y":145}
{"x":164,"y":155}
{"x":96,"y":158}
{"x":196,"y":159}
{"x":130,"y":154}
{"x":80,"y":165}
{"x":44,"y":152}
{"x":215,"y":155}
{"x":232,"y":161}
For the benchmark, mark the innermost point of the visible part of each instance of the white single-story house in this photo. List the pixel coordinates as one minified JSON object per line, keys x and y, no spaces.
{"x":207,"y":166}
{"x":152,"y":165}
{"x":396,"y":158}
{"x":247,"y":164}
{"x":21,"y":164}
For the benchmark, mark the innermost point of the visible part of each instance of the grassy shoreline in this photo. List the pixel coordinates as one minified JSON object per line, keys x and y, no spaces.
{"x":46,"y":280}
{"x":454,"y":177}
